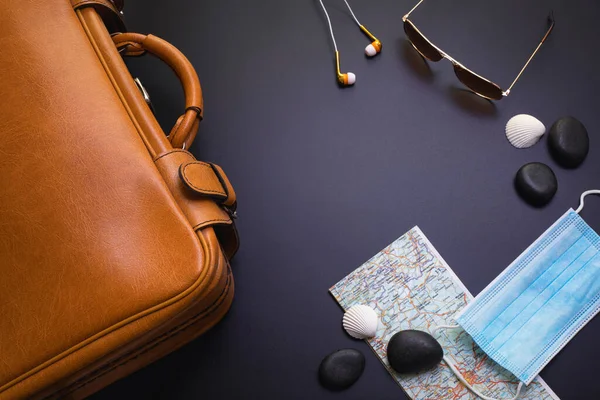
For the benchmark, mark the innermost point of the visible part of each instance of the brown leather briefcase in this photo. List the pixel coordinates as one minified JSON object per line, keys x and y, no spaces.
{"x":114,"y":240}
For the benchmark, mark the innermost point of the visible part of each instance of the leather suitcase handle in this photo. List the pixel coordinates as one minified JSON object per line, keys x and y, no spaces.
{"x":135,"y":44}
{"x":109,"y":10}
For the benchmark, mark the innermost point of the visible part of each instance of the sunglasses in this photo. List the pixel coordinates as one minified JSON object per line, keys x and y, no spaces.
{"x":478,"y":84}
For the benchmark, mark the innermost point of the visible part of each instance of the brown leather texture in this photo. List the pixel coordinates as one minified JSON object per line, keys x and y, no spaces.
{"x":109,"y":259}
{"x":110,"y":12}
{"x":206,"y":179}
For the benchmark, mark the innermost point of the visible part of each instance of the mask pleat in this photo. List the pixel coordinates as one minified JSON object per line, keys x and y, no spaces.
{"x":532,"y":299}
{"x":558,"y":317}
{"x":525,"y":316}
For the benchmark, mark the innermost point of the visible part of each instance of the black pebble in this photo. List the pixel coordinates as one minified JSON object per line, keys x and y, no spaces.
{"x":412,"y":351}
{"x":341,"y":369}
{"x":568,"y":142}
{"x":536,"y":183}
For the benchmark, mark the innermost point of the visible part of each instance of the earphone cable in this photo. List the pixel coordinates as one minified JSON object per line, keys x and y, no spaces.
{"x":352,"y":12}
{"x":330,"y":27}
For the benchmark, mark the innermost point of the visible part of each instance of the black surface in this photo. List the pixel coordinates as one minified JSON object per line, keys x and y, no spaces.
{"x":341,"y":369}
{"x":411,"y":351}
{"x":536,"y":183}
{"x":326,"y":177}
{"x":568,"y":142}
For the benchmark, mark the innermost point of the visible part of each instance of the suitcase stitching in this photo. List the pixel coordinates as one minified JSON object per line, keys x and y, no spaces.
{"x":156,"y":342}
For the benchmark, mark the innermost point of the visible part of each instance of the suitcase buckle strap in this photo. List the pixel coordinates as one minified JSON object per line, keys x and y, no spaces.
{"x":209,"y":180}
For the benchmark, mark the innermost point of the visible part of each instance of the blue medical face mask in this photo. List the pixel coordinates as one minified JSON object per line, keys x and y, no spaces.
{"x":535,"y":306}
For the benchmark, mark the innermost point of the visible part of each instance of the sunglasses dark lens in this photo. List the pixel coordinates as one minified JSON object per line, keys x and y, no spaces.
{"x":477,"y":84}
{"x":421,"y":43}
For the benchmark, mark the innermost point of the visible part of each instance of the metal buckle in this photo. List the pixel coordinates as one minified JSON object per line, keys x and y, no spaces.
{"x":144,"y":93}
{"x":232,"y":214}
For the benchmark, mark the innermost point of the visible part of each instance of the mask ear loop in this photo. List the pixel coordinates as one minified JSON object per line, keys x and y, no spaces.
{"x":459,"y":374}
{"x":581,"y":199}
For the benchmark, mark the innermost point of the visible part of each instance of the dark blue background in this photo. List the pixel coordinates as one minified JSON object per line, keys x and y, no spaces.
{"x":326,"y":177}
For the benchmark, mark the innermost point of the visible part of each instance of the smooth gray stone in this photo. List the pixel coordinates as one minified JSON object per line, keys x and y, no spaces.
{"x":536,"y":183}
{"x":341,"y":369}
{"x":413,"y":351}
{"x":568,"y":142}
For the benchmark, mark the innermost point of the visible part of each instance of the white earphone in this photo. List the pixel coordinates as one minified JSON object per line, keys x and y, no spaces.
{"x":348,"y":78}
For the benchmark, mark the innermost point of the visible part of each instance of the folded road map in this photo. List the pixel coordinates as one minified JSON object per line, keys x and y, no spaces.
{"x":410,"y":286}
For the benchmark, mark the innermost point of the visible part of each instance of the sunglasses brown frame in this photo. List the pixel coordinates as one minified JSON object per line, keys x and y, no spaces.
{"x":476,"y":83}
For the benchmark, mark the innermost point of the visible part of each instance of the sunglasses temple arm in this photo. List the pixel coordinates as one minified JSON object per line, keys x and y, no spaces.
{"x":412,"y":9}
{"x":551,"y":21}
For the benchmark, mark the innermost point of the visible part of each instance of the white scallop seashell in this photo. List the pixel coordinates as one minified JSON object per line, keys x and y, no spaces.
{"x":524,"y":131}
{"x":360,"y":322}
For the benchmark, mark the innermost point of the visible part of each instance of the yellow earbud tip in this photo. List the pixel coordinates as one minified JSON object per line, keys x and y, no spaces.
{"x":373,"y":49}
{"x":349,"y":79}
